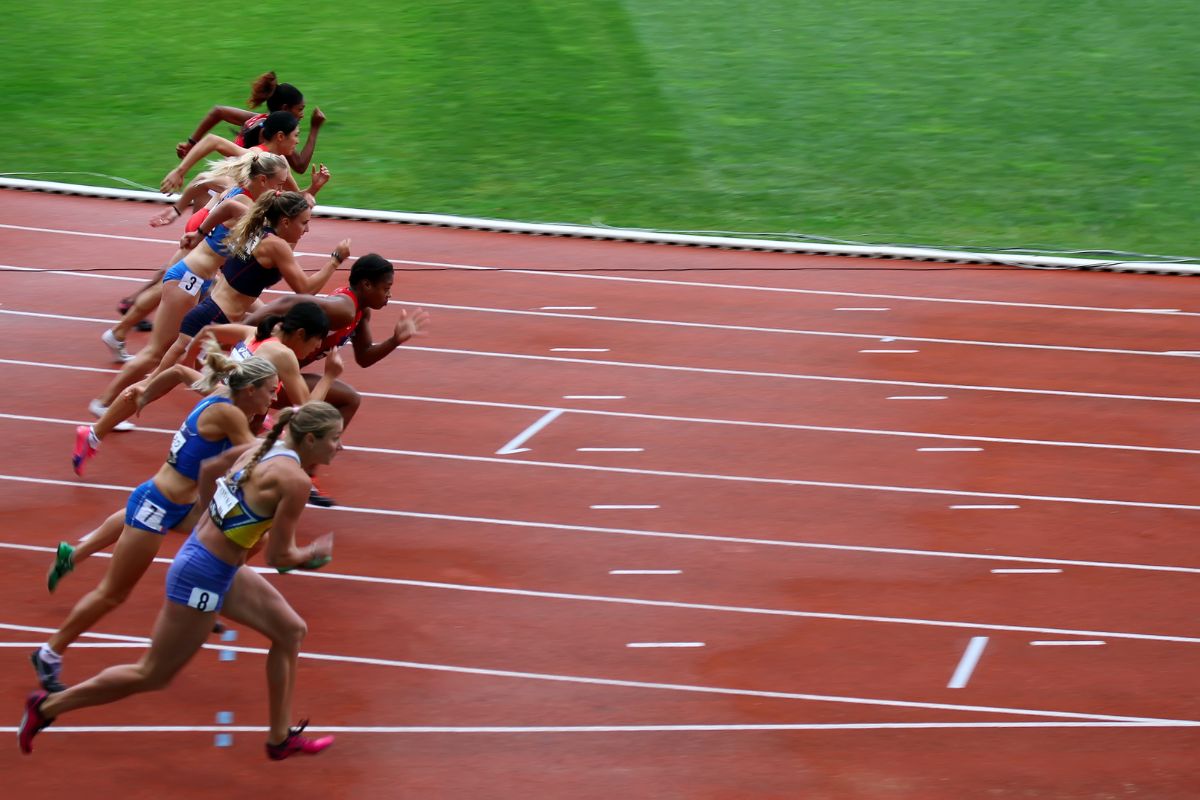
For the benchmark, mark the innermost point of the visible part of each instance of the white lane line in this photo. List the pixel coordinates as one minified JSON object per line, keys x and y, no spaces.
{"x":889,"y":351}
{"x":645,"y":572}
{"x":693,"y":475}
{"x":593,"y":397}
{"x":514,"y":446}
{"x":1026,"y":571}
{"x":621,"y":507}
{"x":861,"y":308}
{"x":761,"y":329}
{"x":696,"y":420}
{"x":598,"y":362}
{"x":567,"y":308}
{"x":578,"y":349}
{"x":966,"y":665}
{"x":1078,"y":643}
{"x":694,"y":537}
{"x":770,"y":612}
{"x":949,"y":449}
{"x":919,"y":397}
{"x":1191,"y":353}
{"x":677,"y":687}
{"x":610,"y":449}
{"x":495,"y":729}
{"x":665,"y":644}
{"x":621,"y":279}
{"x":984,"y":507}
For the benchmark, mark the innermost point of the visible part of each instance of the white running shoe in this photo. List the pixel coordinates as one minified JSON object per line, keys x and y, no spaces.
{"x":120,"y":355}
{"x":97,"y":410}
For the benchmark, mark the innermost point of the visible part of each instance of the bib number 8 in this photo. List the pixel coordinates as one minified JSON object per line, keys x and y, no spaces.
{"x":204,"y":600}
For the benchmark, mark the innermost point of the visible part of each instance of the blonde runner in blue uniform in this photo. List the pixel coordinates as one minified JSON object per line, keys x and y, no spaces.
{"x":266,"y":489}
{"x":164,"y":502}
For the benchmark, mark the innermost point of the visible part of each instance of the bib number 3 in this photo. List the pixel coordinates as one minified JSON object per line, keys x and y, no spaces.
{"x":204,"y":599}
{"x":190,"y":283}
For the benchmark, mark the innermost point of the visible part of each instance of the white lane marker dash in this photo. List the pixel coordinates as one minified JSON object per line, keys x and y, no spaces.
{"x":949,"y":449}
{"x":514,"y":446}
{"x":983,"y":507}
{"x":645,"y":572}
{"x":620,"y":507}
{"x":1076,"y":643}
{"x":861,"y":308}
{"x":610,"y":449}
{"x":665,"y":644}
{"x":567,"y":308}
{"x":889,"y":351}
{"x":1025,"y":571}
{"x":967,"y":664}
{"x":593,"y":397}
{"x":578,"y":349}
{"x":919,"y":397}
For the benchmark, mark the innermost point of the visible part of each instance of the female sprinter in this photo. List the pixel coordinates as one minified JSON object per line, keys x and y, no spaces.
{"x":278,"y":97}
{"x":201,"y":253}
{"x":280,"y":133}
{"x":262,"y":245}
{"x":264,"y":491}
{"x":199,"y":198}
{"x":281,"y":339}
{"x":167,"y":500}
{"x":349,"y":310}
{"x":191,"y":276}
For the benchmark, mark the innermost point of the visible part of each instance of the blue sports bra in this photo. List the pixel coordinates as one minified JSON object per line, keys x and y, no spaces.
{"x":216,"y":237}
{"x":189,"y":449}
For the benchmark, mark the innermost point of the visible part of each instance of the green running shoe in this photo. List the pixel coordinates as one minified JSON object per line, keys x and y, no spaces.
{"x":64,"y":562}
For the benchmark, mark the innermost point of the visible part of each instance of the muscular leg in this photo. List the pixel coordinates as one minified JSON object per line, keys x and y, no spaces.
{"x":342,"y":396}
{"x":101,"y":538}
{"x":133,"y":399}
{"x":259,"y":605}
{"x":158,"y":276}
{"x":143,"y":303}
{"x":135,"y":553}
{"x":175,"y":304}
{"x":178,"y":634}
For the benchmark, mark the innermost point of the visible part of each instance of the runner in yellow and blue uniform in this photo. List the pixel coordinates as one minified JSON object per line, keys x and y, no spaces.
{"x":266,"y":489}
{"x":164,"y":502}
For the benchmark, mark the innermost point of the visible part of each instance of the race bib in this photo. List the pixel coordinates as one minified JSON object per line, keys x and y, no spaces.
{"x":177,"y":442}
{"x":240,"y":352}
{"x":224,"y":500}
{"x":151,"y":515}
{"x":204,"y":599}
{"x":190,"y":282}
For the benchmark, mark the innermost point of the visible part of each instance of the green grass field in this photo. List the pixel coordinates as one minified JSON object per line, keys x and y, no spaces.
{"x":1052,"y":123}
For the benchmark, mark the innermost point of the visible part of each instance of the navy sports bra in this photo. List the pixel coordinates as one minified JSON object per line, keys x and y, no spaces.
{"x":246,"y":275}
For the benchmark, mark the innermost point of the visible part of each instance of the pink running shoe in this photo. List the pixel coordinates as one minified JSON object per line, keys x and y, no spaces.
{"x":294,"y":744}
{"x":83,"y":448}
{"x":33,"y":721}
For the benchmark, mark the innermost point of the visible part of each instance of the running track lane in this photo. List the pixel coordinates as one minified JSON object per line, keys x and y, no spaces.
{"x":843,"y":658}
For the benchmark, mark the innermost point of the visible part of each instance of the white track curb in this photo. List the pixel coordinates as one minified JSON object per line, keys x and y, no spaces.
{"x":652,"y":237}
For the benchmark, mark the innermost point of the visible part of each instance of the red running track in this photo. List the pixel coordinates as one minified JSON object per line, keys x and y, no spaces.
{"x":801,"y":530}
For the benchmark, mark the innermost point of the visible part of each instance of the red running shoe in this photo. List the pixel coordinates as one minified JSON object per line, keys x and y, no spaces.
{"x":33,"y":721}
{"x":293,"y":744}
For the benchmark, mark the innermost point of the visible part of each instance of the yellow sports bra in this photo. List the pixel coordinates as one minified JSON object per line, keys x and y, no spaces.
{"x":230,"y":511}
